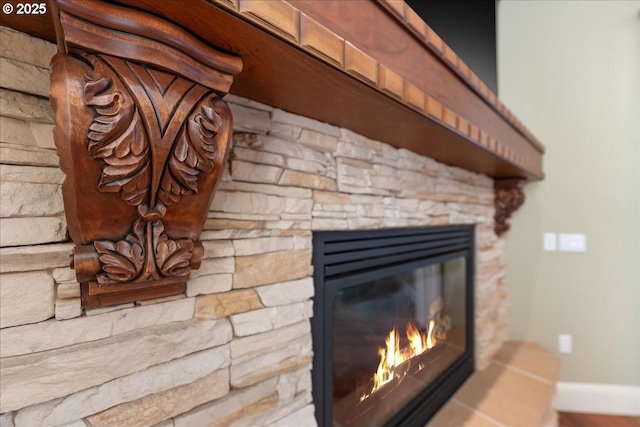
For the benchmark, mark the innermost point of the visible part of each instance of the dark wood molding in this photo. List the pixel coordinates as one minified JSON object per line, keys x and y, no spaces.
{"x":509,"y":197}
{"x":142,"y":134}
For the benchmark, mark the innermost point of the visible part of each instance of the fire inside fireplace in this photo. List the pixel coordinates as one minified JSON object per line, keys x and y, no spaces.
{"x":392,"y":327}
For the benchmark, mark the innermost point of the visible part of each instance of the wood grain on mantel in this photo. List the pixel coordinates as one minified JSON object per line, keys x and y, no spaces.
{"x":373,"y":67}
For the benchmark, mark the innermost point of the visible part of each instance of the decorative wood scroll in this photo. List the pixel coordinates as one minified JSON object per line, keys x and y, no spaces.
{"x":509,"y":197}
{"x":142,"y":134}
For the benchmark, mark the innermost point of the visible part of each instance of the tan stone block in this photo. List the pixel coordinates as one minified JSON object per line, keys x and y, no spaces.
{"x":251,"y":203}
{"x":31,"y":174}
{"x":25,"y":298}
{"x":285,"y":148}
{"x":159,"y":300}
{"x":289,"y":227}
{"x":284,"y":409}
{"x":217,"y":248}
{"x":272,"y":364}
{"x":357,"y":223}
{"x":226,"y":225}
{"x":247,"y":348}
{"x":302,"y":417}
{"x":209,"y":284}
{"x":62,"y":275}
{"x":286,"y":131}
{"x":274,"y":190}
{"x":259,"y":157}
{"x":113,"y":308}
{"x":248,"y":233}
{"x":33,"y":134}
{"x":250,"y":119}
{"x":216,"y":413}
{"x":234,"y":99}
{"x":286,"y":292}
{"x":53,"y":334}
{"x":246,"y":414}
{"x":156,"y":379}
{"x":23,"y":77}
{"x":440,"y":220}
{"x":390,"y":183}
{"x":319,"y":141}
{"x":272,"y":267}
{"x":257,"y":321}
{"x":326,"y":197}
{"x":32,"y":231}
{"x":308,"y":166}
{"x":226,"y":304}
{"x":68,"y":308}
{"x":301,"y":179}
{"x":26,"y":155}
{"x":244,"y":216}
{"x":158,"y":407}
{"x":301,"y":207}
{"x":329,"y":224}
{"x":293,"y":383}
{"x":26,"y":199}
{"x":21,"y":106}
{"x":214,"y":266}
{"x":280,"y":116}
{"x":252,"y":172}
{"x":356,"y":139}
{"x":269,"y":244}
{"x":34,"y":257}
{"x":25,"y":48}
{"x":26,"y":379}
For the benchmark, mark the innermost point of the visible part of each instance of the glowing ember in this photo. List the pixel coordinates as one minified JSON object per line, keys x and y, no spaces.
{"x":392,"y":356}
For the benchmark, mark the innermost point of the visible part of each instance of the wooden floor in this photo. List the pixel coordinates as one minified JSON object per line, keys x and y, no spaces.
{"x":569,"y":419}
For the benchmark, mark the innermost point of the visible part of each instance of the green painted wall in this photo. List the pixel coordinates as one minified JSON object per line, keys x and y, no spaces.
{"x":570,"y":71}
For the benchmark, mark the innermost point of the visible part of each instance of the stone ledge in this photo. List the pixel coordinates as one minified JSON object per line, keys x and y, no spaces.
{"x":516,"y":389}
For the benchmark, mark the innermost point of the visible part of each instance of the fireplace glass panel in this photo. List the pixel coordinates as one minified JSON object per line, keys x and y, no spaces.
{"x":392,"y":337}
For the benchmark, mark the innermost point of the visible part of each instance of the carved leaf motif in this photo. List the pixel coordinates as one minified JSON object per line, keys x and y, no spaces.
{"x":122,"y":261}
{"x":194,"y":152}
{"x":116,"y":136}
{"x":172,"y":256}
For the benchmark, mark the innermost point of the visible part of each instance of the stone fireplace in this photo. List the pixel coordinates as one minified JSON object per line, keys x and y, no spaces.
{"x":242,"y":330}
{"x":236,"y":348}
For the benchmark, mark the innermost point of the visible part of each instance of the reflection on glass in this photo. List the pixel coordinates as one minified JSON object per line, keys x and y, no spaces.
{"x":392,"y":337}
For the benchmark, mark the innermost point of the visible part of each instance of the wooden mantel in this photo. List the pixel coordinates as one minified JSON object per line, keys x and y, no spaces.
{"x":142,"y":129}
{"x":370,"y":66}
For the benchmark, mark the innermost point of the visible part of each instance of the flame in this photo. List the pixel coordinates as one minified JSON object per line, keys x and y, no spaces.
{"x":392,"y":356}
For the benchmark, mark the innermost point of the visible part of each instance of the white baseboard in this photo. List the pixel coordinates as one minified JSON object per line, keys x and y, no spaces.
{"x":598,"y":398}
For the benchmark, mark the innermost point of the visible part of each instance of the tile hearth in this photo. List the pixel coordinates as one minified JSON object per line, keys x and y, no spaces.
{"x":517,"y":389}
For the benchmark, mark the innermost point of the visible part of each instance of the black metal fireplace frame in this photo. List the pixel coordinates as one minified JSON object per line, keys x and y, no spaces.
{"x":341,"y":258}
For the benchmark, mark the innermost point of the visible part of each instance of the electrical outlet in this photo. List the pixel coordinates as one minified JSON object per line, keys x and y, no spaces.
{"x":564,"y":343}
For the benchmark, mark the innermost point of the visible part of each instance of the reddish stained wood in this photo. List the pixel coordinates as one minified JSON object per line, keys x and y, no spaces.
{"x":360,"y":64}
{"x":414,"y":96}
{"x":321,"y":41}
{"x":142,"y":147}
{"x":337,"y":100}
{"x":278,"y":15}
{"x":509,"y":197}
{"x":391,"y":82}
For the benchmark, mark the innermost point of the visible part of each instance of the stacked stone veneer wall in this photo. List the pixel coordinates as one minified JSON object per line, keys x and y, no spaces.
{"x":236,"y":349}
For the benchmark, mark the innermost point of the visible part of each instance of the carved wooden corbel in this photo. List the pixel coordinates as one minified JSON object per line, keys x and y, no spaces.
{"x":142,"y":134}
{"x":509,"y":197}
